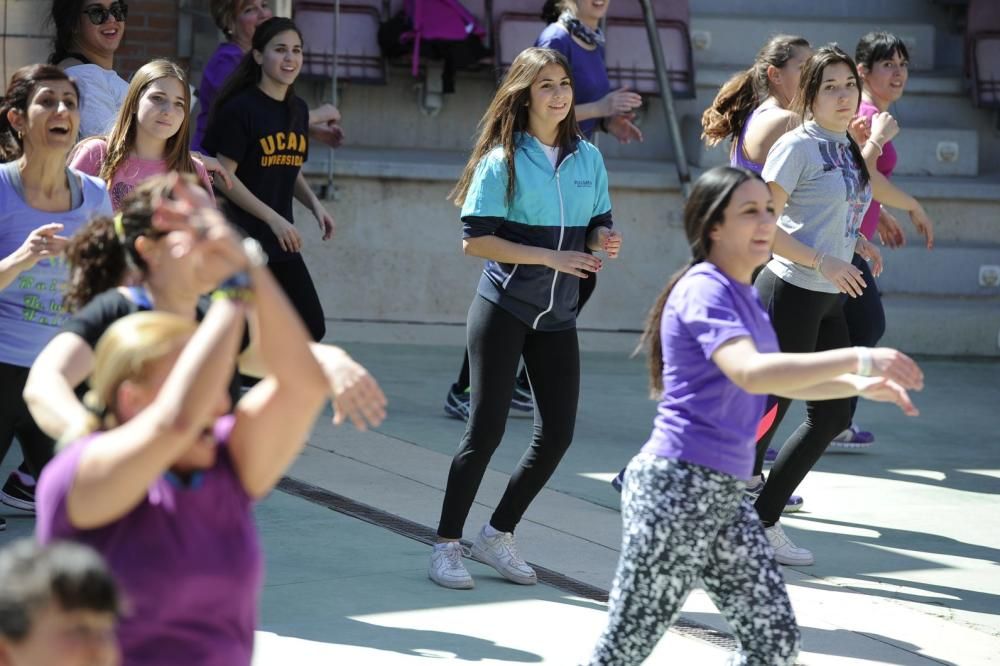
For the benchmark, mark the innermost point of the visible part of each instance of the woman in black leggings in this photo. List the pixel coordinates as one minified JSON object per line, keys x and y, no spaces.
{"x":534,"y":195}
{"x":819,"y":172}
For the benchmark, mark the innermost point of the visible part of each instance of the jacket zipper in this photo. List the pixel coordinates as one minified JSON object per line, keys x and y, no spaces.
{"x":562,"y":233}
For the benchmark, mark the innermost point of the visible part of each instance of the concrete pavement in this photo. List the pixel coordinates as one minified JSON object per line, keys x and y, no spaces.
{"x":906,"y":536}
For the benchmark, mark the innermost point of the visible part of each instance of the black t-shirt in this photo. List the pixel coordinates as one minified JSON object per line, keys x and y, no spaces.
{"x":269,"y":142}
{"x":92,"y":320}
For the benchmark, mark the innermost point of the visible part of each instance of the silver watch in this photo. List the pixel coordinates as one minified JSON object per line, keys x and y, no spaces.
{"x":255,"y":253}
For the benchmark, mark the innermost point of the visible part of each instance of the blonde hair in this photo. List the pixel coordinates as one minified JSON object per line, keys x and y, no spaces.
{"x":121,"y":138}
{"x":124,"y":352}
{"x":508,"y":114}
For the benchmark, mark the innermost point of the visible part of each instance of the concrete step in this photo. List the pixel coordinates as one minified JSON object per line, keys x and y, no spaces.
{"x":947,"y":270}
{"x":922,"y":151}
{"x":943,"y":326}
{"x":727,"y":38}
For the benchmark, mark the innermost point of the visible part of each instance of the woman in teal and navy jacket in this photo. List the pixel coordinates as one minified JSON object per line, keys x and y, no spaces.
{"x":534,"y":196}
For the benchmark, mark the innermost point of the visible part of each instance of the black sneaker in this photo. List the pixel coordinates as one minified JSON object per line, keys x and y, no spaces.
{"x":456,"y":405}
{"x":18,"y":492}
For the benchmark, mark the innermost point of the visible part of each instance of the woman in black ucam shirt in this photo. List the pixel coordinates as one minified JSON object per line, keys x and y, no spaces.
{"x":259,"y":130}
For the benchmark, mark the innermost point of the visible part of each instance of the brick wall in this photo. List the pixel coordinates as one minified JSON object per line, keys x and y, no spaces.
{"x":151,"y":32}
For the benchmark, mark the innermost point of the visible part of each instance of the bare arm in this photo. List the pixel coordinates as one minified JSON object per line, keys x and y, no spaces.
{"x":50,"y":390}
{"x":841,"y":274}
{"x":505,"y":251}
{"x":244,"y":198}
{"x":117,"y":468}
{"x":766,"y":130}
{"x":793,"y":375}
{"x":355,"y":394}
{"x":274,"y":418}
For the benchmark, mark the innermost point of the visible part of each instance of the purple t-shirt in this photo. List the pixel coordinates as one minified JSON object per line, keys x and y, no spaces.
{"x":703,"y":418}
{"x":187,"y":557}
{"x":590,"y":73}
{"x":216,"y":71}
{"x":885,"y":165}
{"x":31,"y":309}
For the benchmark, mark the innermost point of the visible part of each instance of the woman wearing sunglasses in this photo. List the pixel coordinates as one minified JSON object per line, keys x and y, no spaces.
{"x":88,"y":32}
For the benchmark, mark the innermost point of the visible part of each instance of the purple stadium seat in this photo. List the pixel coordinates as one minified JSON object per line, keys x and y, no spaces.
{"x":983,"y":51}
{"x":359,"y":57}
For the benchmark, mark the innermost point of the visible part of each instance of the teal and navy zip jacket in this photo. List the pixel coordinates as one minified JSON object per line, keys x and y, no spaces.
{"x":552,"y":208}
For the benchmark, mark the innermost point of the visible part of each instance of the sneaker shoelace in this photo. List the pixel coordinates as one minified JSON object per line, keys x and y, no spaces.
{"x":454,"y":555}
{"x":509,"y":546}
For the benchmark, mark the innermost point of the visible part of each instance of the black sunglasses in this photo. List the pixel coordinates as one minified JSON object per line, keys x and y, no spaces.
{"x":99,"y":15}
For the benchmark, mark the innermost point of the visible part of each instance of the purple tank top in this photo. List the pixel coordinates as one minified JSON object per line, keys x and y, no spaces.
{"x":739,"y":157}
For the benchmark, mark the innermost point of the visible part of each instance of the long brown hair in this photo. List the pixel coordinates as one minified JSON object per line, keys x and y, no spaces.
{"x":102,"y":254}
{"x":810,"y":83}
{"x":744,"y":92}
{"x":121,"y":139}
{"x":248,"y":72}
{"x":20,"y":92}
{"x":705,"y":208}
{"x":508,"y":114}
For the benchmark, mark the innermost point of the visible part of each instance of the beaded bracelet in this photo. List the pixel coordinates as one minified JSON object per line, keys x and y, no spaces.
{"x":224,"y":293}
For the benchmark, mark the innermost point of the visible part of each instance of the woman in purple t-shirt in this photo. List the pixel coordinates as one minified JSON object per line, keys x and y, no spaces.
{"x":713,"y":358}
{"x":161,"y":482}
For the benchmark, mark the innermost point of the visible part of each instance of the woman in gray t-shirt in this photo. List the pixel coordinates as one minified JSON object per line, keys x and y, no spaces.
{"x":821,"y":189}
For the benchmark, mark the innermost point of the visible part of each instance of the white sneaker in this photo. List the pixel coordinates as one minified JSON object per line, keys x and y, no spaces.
{"x":447,"y":569}
{"x":500,"y":552}
{"x":786,"y":552}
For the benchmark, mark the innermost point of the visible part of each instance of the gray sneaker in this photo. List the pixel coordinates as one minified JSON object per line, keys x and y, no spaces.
{"x":500,"y":552}
{"x":447,"y":569}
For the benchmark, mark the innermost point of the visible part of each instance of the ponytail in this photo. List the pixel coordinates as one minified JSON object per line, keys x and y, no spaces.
{"x":703,"y":212}
{"x":735,"y":101}
{"x":650,"y":340}
{"x":859,"y":161}
{"x":744,"y":92}
{"x":97,"y":261}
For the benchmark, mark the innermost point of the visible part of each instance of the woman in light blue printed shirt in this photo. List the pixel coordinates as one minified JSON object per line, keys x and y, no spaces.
{"x":534,"y":195}
{"x":42,"y":202}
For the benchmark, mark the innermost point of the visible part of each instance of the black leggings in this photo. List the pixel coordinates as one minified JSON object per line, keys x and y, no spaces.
{"x":587,"y":287}
{"x":805,"y":321}
{"x":865,"y":315}
{"x":293,"y":276}
{"x":497,"y":340}
{"x":16,"y":421}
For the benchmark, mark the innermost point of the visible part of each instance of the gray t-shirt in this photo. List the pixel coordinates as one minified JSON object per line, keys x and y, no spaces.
{"x":826,"y":199}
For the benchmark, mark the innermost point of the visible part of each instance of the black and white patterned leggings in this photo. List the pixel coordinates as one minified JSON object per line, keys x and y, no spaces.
{"x":681,"y":523}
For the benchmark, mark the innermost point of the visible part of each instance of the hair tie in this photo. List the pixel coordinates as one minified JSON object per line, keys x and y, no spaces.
{"x":119,"y":228}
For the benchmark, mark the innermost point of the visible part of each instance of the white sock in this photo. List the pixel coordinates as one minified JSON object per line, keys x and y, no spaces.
{"x":489,"y":531}
{"x":443,"y":545}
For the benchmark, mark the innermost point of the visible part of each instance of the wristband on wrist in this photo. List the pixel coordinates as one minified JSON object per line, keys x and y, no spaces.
{"x":864,"y":361}
{"x":240,"y":294}
{"x":819,"y":262}
{"x":877,"y":145}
